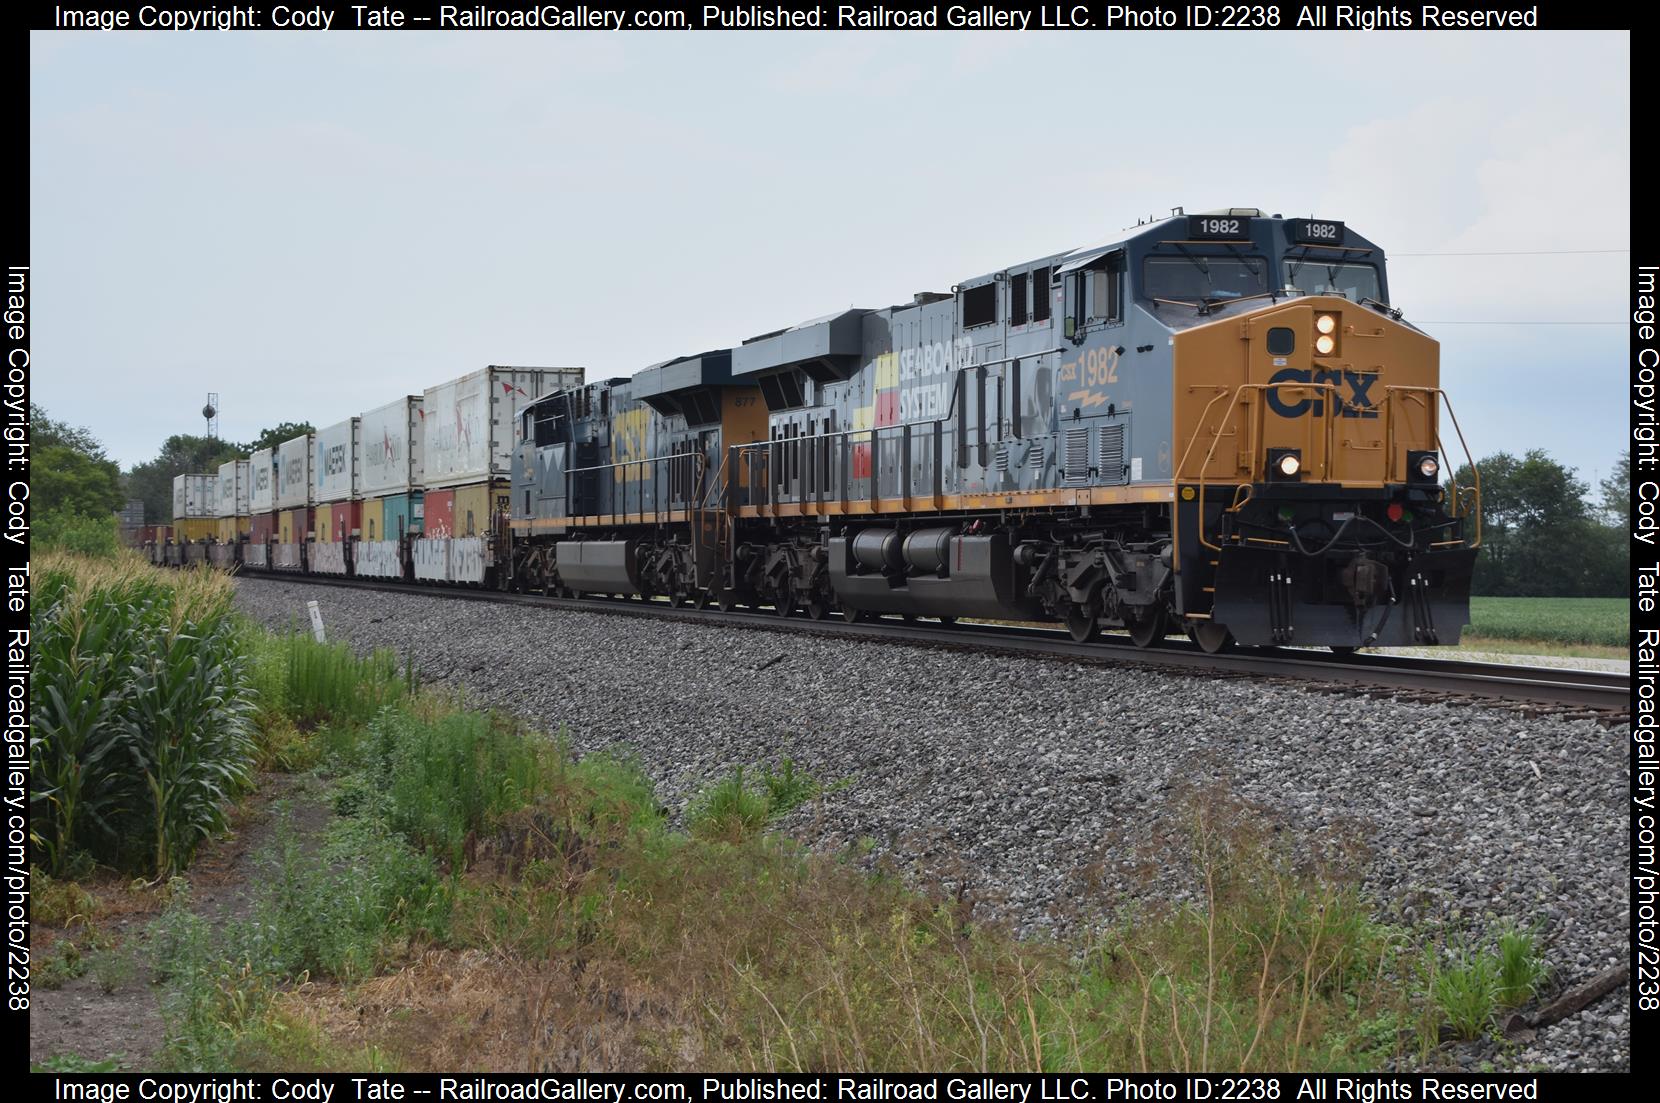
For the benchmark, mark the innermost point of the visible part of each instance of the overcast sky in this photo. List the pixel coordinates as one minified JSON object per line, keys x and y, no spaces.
{"x":314,"y":224}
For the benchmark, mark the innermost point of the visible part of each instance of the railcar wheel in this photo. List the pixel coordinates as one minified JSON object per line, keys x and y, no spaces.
{"x":1213,"y":639}
{"x":1149,"y":630}
{"x":1081,"y":622}
{"x":817,"y":607}
{"x":784,"y":603}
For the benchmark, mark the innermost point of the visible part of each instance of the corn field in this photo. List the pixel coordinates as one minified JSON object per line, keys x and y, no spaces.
{"x":140,"y":719}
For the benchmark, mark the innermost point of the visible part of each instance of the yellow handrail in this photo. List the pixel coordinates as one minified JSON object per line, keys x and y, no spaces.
{"x":1254,"y":433}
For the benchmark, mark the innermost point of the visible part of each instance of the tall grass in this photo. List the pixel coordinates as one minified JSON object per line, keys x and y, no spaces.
{"x":311,"y":683}
{"x":140,"y":716}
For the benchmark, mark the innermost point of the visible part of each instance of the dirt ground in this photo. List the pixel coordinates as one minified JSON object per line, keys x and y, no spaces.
{"x":83,"y":1019}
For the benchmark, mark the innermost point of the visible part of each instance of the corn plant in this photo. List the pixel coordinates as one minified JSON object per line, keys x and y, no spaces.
{"x":139,"y":724}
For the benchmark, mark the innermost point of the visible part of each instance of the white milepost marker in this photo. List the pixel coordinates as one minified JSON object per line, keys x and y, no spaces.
{"x":316,"y":620}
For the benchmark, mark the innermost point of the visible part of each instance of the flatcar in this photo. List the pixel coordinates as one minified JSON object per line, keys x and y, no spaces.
{"x":1217,"y":424}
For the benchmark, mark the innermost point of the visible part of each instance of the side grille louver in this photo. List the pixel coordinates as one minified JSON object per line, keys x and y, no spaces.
{"x":1112,"y":453}
{"x":1075,"y":456}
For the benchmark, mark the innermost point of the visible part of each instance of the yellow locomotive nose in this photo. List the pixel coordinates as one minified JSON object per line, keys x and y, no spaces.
{"x":1349,"y":389}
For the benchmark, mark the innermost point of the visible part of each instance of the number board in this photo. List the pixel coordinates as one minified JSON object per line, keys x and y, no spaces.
{"x":1218,"y":227}
{"x":1316,"y":231}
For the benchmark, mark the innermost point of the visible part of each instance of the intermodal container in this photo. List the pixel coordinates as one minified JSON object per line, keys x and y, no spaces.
{"x":262,"y":481}
{"x":263,"y":528}
{"x":293,"y":526}
{"x":294,"y":473}
{"x":369,"y":519}
{"x":439,"y":514}
{"x":338,"y":521}
{"x":228,"y":530}
{"x":476,"y":506}
{"x":472,"y":423}
{"x":401,"y":515}
{"x":334,"y":462}
{"x":233,"y":489}
{"x":390,"y":449}
{"x":194,"y":495}
{"x":188,"y":530}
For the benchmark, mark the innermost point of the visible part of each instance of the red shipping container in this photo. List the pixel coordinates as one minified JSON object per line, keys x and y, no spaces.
{"x":440,"y":514}
{"x":264,"y":528}
{"x":336,"y":521}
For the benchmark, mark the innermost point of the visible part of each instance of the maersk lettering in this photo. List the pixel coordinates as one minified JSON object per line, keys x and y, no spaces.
{"x":1358,"y":402}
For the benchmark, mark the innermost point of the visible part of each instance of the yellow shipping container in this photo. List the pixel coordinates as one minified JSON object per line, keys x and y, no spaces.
{"x":475,"y":506}
{"x":373,"y":514}
{"x":188,"y":530}
{"x":293,"y":526}
{"x":231,"y":529}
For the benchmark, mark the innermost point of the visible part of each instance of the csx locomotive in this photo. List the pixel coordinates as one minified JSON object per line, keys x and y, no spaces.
{"x":1216,"y":425}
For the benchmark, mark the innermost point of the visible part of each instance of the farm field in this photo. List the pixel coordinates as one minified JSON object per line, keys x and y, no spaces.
{"x":1587,"y":624}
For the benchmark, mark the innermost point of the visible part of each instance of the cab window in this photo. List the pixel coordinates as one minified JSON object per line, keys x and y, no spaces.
{"x":1190,"y":278}
{"x":1319,"y":277}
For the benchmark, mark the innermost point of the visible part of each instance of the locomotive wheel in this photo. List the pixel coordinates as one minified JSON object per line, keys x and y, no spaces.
{"x":784,"y":603}
{"x":948,"y":621}
{"x":1149,"y":630}
{"x":857,"y":616}
{"x":1213,"y":639}
{"x":1342,"y":650}
{"x":1080,"y":621}
{"x":726,"y":602}
{"x":817,"y":607}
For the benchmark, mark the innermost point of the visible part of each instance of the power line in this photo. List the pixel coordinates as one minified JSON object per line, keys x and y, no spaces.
{"x":1415,"y":321}
{"x":1516,"y":253}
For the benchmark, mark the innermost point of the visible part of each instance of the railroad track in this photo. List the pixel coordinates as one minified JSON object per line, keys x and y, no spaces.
{"x":1601,"y":695}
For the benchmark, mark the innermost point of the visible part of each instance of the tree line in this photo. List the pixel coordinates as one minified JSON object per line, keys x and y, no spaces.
{"x":1542,"y":535}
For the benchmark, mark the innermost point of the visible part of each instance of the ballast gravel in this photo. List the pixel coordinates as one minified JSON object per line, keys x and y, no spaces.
{"x":1047,"y":793}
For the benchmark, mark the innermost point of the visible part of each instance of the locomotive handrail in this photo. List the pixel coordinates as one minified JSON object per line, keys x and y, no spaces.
{"x":1389,"y":394}
{"x":1254,"y":434}
{"x":904,"y":433}
{"x":695,"y":460}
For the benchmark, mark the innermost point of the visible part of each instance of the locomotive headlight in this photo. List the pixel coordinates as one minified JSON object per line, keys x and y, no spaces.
{"x":1284,"y":464}
{"x":1326,"y":323}
{"x":1422,"y":466}
{"x":1325,"y":344}
{"x":1429,"y":467}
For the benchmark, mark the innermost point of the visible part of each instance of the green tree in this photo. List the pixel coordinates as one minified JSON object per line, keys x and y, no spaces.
{"x":275,"y":435}
{"x":1616,"y":494}
{"x":69,"y":472}
{"x":1539,"y":538}
{"x":45,"y":432}
{"x":181,"y":454}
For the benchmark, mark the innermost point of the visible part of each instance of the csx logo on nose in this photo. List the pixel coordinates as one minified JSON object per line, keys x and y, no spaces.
{"x":1357,"y":404}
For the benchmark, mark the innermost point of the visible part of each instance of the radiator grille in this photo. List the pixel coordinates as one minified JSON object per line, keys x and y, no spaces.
{"x":1000,"y":459}
{"x":1112,"y":453}
{"x":1076,"y":455}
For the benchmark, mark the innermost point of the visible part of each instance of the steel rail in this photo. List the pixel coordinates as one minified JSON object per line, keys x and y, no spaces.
{"x":1603,"y":692}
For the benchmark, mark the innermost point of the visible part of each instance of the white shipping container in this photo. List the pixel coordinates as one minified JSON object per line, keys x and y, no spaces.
{"x":262,"y":481}
{"x":472,"y":423}
{"x":389,"y":459}
{"x":194,"y":495}
{"x":294,"y":473}
{"x":233,"y":489}
{"x":334,"y":461}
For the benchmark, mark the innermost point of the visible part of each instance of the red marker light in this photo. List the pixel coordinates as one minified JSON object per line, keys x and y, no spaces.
{"x":1395,"y":511}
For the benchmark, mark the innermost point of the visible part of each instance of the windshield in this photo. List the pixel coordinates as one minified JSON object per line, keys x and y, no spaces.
{"x":1190,"y":279}
{"x":1322,"y":277}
